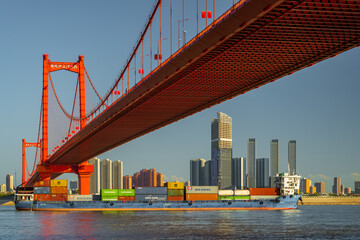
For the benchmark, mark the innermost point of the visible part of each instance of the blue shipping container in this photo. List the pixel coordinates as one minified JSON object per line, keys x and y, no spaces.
{"x":41,"y":190}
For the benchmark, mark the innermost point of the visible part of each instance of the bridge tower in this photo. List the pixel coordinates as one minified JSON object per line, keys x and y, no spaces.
{"x":48,"y":170}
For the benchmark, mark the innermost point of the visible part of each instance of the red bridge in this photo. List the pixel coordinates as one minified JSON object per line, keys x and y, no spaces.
{"x":252,"y":43}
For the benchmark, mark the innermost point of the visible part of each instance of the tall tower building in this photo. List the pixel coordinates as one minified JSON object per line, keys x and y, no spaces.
{"x":221,"y":150}
{"x":252,"y":163}
{"x":196,"y":170}
{"x":305,"y":185}
{"x":357,"y":187}
{"x":127,"y":182}
{"x":95,"y":176}
{"x":159,"y":179}
{"x":206,"y":177}
{"x":337,"y":185}
{"x":274,"y":160}
{"x":105,"y":174}
{"x":117,"y":174}
{"x":292,"y":156}
{"x":9,"y":183}
{"x":320,"y":187}
{"x":238,"y":172}
{"x":262,"y":172}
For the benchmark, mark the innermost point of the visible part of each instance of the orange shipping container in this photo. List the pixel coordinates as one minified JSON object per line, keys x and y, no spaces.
{"x":44,"y":183}
{"x":59,"y":197}
{"x":264,"y":191}
{"x":175,"y":198}
{"x":42,"y":197}
{"x":54,"y":190}
{"x":126,"y":198}
{"x":201,"y":197}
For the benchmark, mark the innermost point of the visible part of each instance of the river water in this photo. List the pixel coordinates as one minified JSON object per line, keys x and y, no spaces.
{"x":307,"y":222}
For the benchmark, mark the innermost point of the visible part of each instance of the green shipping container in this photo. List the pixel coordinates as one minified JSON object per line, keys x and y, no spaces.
{"x":109,"y":192}
{"x":241,"y":197}
{"x":226,"y":198}
{"x":126,"y":192}
{"x":175,"y":192}
{"x":107,"y":198}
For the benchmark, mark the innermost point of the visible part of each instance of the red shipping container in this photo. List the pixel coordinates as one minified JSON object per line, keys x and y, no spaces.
{"x":42,"y":197}
{"x":58,"y":197}
{"x":175,"y":198}
{"x":264,"y":191}
{"x":202,"y":197}
{"x":43,"y":183}
{"x":126,"y":198}
{"x":55,"y":190}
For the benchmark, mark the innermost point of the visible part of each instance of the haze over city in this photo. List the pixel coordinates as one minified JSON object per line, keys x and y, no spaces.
{"x":317,"y":106}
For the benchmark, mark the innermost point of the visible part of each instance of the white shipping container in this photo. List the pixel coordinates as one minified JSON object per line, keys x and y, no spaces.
{"x":73,"y":197}
{"x":226,"y":192}
{"x":243,"y":192}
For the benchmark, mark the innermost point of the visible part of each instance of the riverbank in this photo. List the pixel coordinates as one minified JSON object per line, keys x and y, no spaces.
{"x":329,"y":200}
{"x":6,"y":203}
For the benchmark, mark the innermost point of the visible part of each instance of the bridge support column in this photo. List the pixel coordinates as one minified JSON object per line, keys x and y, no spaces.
{"x":84,"y":173}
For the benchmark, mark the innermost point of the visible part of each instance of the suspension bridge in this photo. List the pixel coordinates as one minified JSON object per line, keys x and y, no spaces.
{"x":175,"y":71}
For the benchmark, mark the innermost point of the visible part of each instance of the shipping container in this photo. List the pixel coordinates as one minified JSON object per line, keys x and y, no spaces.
{"x":241,"y":197}
{"x":175,"y":192}
{"x":126,"y":192}
{"x":150,"y":197}
{"x":202,"y":197}
{"x":151,"y":190}
{"x":175,"y":198}
{"x":109,"y":192}
{"x":226,"y":192}
{"x":58,"y":183}
{"x":109,"y":198}
{"x":242,"y":192}
{"x":126,"y":198}
{"x":202,"y":190}
{"x":43,"y":183}
{"x":58,"y":197}
{"x":96,"y":197}
{"x":42,"y":190}
{"x":54,"y":190}
{"x":175,"y":185}
{"x":264,"y":191}
{"x":42,"y":197}
{"x":226,"y":197}
{"x":74,"y":197}
{"x":258,"y":197}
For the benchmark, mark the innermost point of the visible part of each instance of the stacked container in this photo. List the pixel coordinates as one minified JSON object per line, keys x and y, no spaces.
{"x":58,"y":190}
{"x":126,"y":194}
{"x":243,"y":194}
{"x":74,"y":198}
{"x":109,"y":194}
{"x":264,"y":193}
{"x":201,"y":193}
{"x":42,"y":191}
{"x":151,"y":194}
{"x":175,"y":191}
{"x":226,"y":195}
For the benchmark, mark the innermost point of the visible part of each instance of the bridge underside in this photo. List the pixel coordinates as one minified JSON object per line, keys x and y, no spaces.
{"x":256,"y":44}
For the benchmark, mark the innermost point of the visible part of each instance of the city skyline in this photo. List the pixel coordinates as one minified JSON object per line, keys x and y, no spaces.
{"x":308,"y":106}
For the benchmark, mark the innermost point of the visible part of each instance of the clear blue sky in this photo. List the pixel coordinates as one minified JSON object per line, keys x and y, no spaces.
{"x":318,"y":106}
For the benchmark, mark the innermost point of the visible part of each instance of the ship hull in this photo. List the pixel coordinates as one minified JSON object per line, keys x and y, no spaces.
{"x":281,"y":203}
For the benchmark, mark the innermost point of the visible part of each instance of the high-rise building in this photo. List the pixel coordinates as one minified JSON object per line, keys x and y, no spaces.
{"x":262,"y":172}
{"x":337,"y":185}
{"x":117,"y":174}
{"x":196,"y":170}
{"x":292,"y":156}
{"x":320,"y":187}
{"x":312,"y":189}
{"x":159,"y":179}
{"x":342,"y":189}
{"x":274,"y":161}
{"x":127,"y":182}
{"x":238,"y":172}
{"x":3,"y":188}
{"x":147,"y":178}
{"x":73,"y":186}
{"x":95,"y":176}
{"x":305,"y":185}
{"x":9,"y":183}
{"x":221,"y":150}
{"x":206,"y":178}
{"x":357,"y":187}
{"x":252,"y":163}
{"x":105,"y":174}
{"x":347,"y":190}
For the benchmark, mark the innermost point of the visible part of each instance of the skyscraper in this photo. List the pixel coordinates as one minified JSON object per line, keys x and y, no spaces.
{"x":262,"y":172}
{"x":159,"y":179}
{"x":9,"y":183}
{"x":206,"y":178}
{"x":105,"y":174}
{"x":274,"y":160}
{"x":95,"y":177}
{"x":320,"y":187}
{"x":337,"y":185}
{"x":357,"y":187}
{"x":221,"y":150}
{"x":292,"y":156}
{"x":196,"y":170}
{"x":117,"y":174}
{"x":305,"y":185}
{"x":252,"y":163}
{"x":238,"y":172}
{"x":127,"y":182}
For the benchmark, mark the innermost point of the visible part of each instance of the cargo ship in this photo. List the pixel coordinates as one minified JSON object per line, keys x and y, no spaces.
{"x":52,"y":196}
